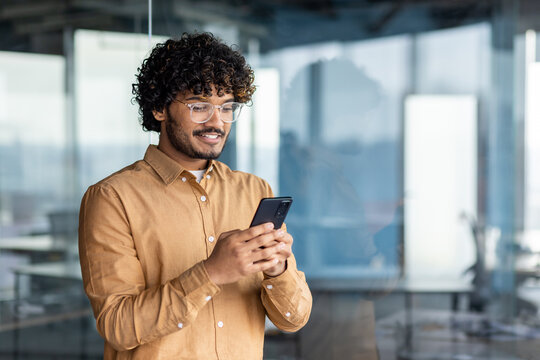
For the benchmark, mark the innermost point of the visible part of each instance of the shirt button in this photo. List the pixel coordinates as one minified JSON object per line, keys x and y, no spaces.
{"x":208,"y":176}
{"x":220,"y":324}
{"x":184,"y":179}
{"x":288,"y":314}
{"x":203,"y":198}
{"x":211,"y":168}
{"x":211,"y":239}
{"x":207,"y":298}
{"x":269,"y":287}
{"x":180,"y":325}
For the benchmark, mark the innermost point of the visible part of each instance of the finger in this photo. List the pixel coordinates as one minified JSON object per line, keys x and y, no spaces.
{"x":263,"y":265}
{"x":228,"y":233}
{"x":285,"y":253}
{"x":285,"y":238}
{"x":266,"y":253}
{"x":282,"y":254}
{"x":254,"y":231}
{"x":277,"y":259}
{"x":264,"y":240}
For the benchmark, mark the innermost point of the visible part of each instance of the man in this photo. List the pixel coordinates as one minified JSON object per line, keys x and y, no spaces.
{"x":169,"y":264}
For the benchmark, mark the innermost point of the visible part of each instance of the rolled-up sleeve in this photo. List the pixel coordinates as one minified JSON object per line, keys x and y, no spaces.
{"x":287,"y":298}
{"x":128,"y":313}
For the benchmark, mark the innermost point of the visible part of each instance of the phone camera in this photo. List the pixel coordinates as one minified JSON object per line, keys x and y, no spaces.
{"x":282,"y":209}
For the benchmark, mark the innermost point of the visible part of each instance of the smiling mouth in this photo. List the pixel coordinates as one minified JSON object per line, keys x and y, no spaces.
{"x":209,"y":138}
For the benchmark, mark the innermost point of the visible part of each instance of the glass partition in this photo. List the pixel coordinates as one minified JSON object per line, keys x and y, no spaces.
{"x":405,"y":132}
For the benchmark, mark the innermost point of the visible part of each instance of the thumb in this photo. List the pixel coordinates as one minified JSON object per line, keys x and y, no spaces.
{"x":228,"y":233}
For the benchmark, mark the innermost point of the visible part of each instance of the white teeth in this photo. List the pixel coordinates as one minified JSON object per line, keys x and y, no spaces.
{"x":210,"y":136}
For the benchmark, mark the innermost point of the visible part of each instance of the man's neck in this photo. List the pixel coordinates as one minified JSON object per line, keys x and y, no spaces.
{"x":184,"y":161}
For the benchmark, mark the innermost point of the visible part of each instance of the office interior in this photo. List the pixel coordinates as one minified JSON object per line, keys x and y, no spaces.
{"x":407,"y":132}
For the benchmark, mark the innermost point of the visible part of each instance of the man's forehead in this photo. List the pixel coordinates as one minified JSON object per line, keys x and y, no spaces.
{"x":190,"y":94}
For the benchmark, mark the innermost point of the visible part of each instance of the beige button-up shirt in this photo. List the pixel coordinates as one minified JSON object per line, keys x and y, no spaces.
{"x":143,"y":234}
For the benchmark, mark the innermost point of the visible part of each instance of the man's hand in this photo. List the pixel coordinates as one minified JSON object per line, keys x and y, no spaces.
{"x":239,"y":253}
{"x":285,"y":251}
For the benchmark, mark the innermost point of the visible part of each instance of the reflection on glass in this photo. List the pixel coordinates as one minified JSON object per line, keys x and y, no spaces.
{"x":346,"y":216}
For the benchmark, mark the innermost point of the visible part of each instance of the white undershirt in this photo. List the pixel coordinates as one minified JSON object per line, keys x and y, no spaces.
{"x":198,"y":174}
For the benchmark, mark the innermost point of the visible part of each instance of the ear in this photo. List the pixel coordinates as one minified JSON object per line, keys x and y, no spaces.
{"x":159,"y":115}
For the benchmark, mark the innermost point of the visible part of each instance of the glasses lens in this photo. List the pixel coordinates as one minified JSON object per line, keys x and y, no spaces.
{"x":231,"y":111}
{"x":201,"y":112}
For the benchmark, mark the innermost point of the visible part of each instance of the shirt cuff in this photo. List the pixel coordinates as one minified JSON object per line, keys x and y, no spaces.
{"x":273,"y":277}
{"x":196,"y":280}
{"x":197,"y":289}
{"x":285,"y":279}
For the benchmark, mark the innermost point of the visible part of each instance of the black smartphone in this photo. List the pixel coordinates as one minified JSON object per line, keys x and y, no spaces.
{"x":272,"y":210}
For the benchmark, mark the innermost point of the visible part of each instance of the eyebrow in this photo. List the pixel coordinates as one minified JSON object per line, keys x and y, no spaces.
{"x":206,"y":99}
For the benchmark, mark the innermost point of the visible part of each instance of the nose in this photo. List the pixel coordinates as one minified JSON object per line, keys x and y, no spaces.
{"x":215,"y":119}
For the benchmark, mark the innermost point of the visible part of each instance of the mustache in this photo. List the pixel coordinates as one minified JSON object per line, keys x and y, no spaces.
{"x":208,"y":130}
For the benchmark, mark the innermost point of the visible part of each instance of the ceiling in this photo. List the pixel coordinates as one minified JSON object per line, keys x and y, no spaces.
{"x":41,"y":25}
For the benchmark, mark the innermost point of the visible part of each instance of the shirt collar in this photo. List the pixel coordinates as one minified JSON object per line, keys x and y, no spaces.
{"x":167,"y":169}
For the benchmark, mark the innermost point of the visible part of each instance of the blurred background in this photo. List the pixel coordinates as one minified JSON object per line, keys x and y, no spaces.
{"x":408,"y":133}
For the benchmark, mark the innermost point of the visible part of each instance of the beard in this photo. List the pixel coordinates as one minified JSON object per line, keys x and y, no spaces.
{"x":181,"y":140}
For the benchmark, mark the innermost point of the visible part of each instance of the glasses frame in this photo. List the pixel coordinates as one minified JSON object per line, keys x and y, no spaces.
{"x":214,"y":107}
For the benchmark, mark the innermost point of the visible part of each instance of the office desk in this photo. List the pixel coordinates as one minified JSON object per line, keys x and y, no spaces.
{"x":42,"y":243}
{"x":36,"y":248}
{"x":59,"y":270}
{"x":55,"y":270}
{"x":16,"y":251}
{"x":408,"y":287}
{"x":427,"y":286}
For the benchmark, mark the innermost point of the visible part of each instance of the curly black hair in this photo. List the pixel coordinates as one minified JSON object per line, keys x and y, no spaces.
{"x":192,"y":63}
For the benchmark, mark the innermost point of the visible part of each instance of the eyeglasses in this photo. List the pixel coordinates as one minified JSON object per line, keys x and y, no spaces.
{"x":201,"y":112}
